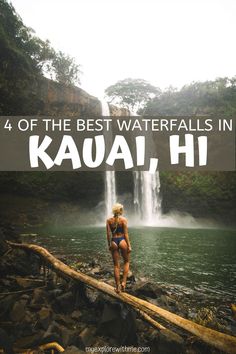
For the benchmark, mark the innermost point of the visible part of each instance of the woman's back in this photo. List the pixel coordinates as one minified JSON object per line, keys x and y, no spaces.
{"x":117,"y":225}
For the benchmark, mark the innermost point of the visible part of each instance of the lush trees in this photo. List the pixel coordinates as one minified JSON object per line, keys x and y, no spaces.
{"x":131,"y":93}
{"x":210,"y":97}
{"x":64,"y":69}
{"x":198,"y":98}
{"x":20,"y":45}
{"x":24,"y":59}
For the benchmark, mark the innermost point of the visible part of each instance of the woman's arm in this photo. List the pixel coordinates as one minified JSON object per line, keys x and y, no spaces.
{"x":108,"y":234}
{"x":126,"y":234}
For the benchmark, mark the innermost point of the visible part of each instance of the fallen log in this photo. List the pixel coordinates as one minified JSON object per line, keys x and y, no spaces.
{"x":150,"y":320}
{"x":214,"y":338}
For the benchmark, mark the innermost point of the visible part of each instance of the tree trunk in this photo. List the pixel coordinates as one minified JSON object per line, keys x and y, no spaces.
{"x":217,"y":339}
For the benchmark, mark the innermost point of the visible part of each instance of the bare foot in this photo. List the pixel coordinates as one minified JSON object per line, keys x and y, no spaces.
{"x":123,"y":285}
{"x":117,"y":289}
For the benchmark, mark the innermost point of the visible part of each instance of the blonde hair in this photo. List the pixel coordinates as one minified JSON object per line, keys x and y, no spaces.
{"x":117,"y":209}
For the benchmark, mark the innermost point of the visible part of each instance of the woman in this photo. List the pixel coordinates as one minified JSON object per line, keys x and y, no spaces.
{"x":117,"y":227}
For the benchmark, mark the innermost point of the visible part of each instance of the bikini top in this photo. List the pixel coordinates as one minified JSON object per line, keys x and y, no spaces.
{"x":117,"y":228}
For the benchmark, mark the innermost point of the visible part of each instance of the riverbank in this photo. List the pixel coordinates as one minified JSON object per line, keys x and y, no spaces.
{"x":37,"y":307}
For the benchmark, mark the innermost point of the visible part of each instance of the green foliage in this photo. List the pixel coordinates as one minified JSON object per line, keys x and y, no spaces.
{"x":203,"y":194}
{"x":24,"y":58}
{"x":198,"y":98}
{"x":131,"y":93}
{"x":81,"y":187}
{"x":66,"y":70}
{"x":17,"y":68}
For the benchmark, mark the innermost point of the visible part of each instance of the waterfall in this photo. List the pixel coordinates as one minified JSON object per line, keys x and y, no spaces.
{"x":110,"y":191}
{"x":110,"y":177}
{"x":147,"y":201}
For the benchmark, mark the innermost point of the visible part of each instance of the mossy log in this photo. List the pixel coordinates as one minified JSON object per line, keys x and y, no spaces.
{"x":214,"y":338}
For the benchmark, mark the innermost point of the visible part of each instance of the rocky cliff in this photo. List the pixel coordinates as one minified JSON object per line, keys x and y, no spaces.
{"x":51,"y":98}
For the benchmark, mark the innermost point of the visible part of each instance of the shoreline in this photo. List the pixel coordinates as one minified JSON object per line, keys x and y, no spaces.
{"x":74,"y":315}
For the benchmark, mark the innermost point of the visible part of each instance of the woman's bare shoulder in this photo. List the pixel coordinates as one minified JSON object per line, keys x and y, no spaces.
{"x":123,"y":219}
{"x":109,"y":220}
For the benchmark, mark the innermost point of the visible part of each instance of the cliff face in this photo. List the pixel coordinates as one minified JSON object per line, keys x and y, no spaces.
{"x":52,"y":98}
{"x":47,"y":97}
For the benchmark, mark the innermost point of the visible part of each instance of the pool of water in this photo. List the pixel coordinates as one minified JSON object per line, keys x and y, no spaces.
{"x":191,"y":260}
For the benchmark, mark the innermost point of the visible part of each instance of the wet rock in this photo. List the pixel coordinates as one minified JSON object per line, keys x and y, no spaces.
{"x":141,"y":325}
{"x":44,"y":317}
{"x":168,"y":302}
{"x":3,"y":245}
{"x":93,"y":263}
{"x":101,"y":299}
{"x":166,"y":342}
{"x":73,"y":350}
{"x":52,"y":334}
{"x":76,"y":315}
{"x":7,"y":283}
{"x":6,"y":342}
{"x":25,"y":297}
{"x":28,"y":323}
{"x":170,"y":342}
{"x":79,"y":265}
{"x":79,"y":293}
{"x":118,"y":322}
{"x":20,"y":262}
{"x":18,"y":311}
{"x":54,"y":293}
{"x":89,"y":317}
{"x":58,"y":331}
{"x":65,"y":303}
{"x":28,"y":283}
{"x":65,"y":320}
{"x":146,"y":289}
{"x":131,"y":277}
{"x":39,"y":296}
{"x":7,"y":303}
{"x":95,"y":270}
{"x":106,"y":271}
{"x":29,"y":341}
{"x":69,"y":337}
{"x":92,"y":295}
{"x":86,"y":337}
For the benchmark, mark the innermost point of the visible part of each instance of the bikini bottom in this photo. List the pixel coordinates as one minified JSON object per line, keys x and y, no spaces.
{"x":117,"y":240}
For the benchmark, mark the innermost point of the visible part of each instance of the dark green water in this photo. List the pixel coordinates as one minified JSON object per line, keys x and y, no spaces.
{"x":188,"y":260}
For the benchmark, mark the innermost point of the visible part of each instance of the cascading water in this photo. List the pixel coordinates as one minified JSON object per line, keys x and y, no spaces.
{"x":147,"y":201}
{"x":110,"y":177}
{"x":110,"y":191}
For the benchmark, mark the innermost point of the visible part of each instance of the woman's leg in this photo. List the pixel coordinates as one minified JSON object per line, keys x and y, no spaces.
{"x":116,"y":261}
{"x":125,"y":254}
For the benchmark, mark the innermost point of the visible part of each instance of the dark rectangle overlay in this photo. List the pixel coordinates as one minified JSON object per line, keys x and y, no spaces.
{"x":117,"y":143}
